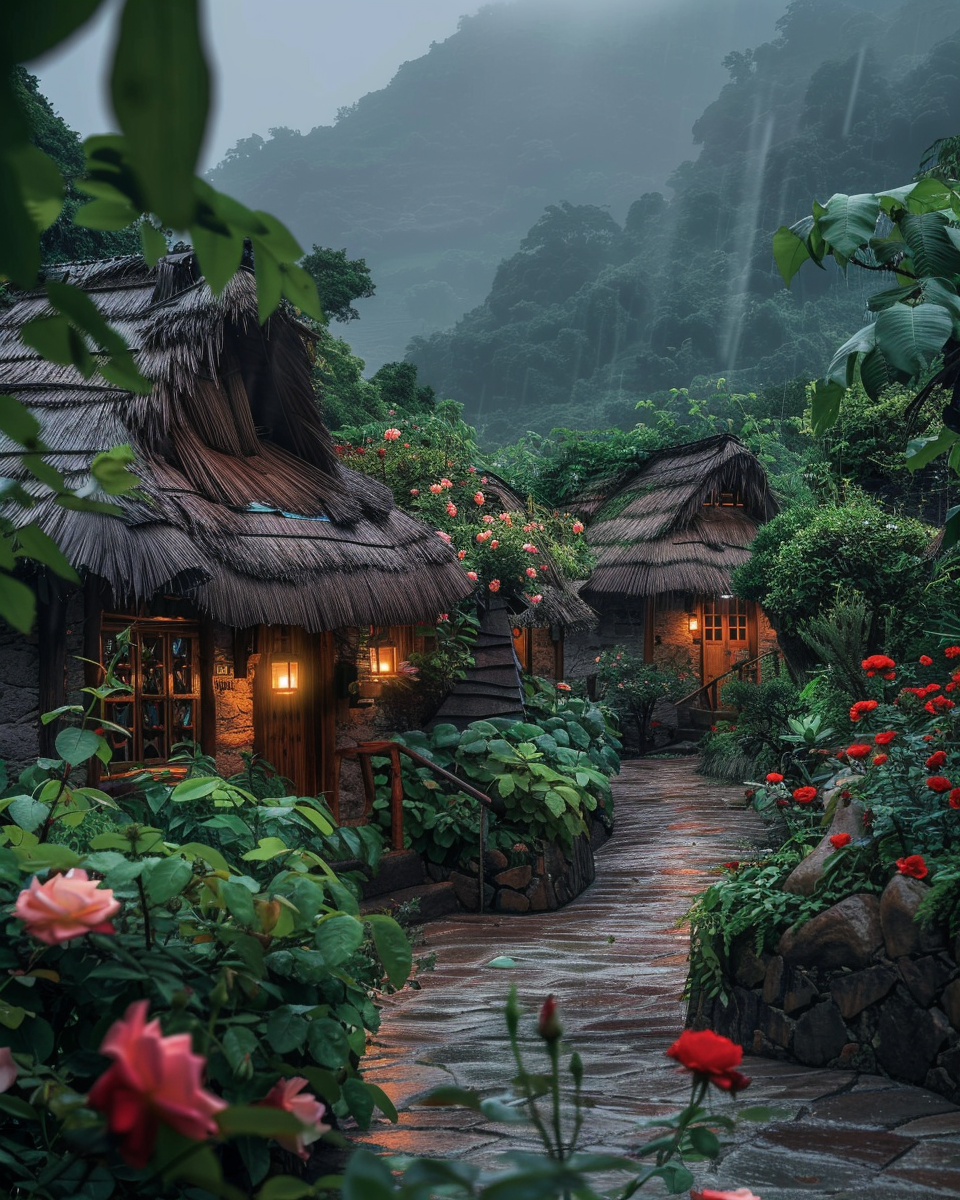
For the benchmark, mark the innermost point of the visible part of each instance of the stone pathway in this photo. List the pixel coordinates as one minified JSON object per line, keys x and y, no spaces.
{"x":616,"y":962}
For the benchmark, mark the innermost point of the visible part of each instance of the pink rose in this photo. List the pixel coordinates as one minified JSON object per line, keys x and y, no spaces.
{"x":494,"y":585}
{"x":446,"y":483}
{"x":443,"y":536}
{"x":478,"y":498}
{"x":391,"y":435}
{"x":532,"y":572}
{"x":285,"y":1095}
{"x":577,"y":527}
{"x":153,"y":1081}
{"x":451,"y":509}
{"x":535,"y":599}
{"x":66,"y":906}
{"x":471,"y":575}
{"x":414,"y":491}
{"x":436,"y":488}
{"x":494,"y":544}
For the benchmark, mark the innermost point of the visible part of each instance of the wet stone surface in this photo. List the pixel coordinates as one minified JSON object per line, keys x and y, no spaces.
{"x":616,"y":963}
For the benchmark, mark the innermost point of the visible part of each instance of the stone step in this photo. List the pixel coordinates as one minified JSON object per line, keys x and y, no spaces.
{"x":435,"y":900}
{"x":397,"y":869}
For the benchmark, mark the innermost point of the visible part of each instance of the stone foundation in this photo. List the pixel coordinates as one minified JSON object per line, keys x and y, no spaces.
{"x":860,"y":986}
{"x":552,"y":879}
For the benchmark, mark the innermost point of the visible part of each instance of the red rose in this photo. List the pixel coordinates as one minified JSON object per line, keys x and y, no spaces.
{"x":879,"y":760}
{"x":803,"y":795}
{"x":886,"y":737}
{"x":939,"y":704}
{"x":952,"y":652}
{"x":859,"y":750}
{"x":936,"y":759}
{"x":913,"y":865}
{"x":774,"y":777}
{"x":954,"y":797}
{"x":937,"y":783}
{"x":861,"y":708}
{"x":926,"y":660}
{"x":732,"y":866}
{"x":878,"y":663}
{"x":839,"y":840}
{"x":711,"y":1058}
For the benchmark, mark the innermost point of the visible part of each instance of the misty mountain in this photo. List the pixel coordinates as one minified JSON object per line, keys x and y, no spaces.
{"x":591,"y":313}
{"x":438,"y":176}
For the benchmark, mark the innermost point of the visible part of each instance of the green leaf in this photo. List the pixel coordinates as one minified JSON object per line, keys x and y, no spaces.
{"x":843,"y":364}
{"x":28,"y":813}
{"x":825,"y":405}
{"x":55,"y":339}
{"x":286,"y":1031}
{"x":196,"y":788}
{"x":18,"y":604}
{"x":912,"y":336}
{"x":269,"y":283}
{"x":704,"y":1141}
{"x":366,"y":1178}
{"x":207,"y":853}
{"x":393,"y":948}
{"x":931,"y":249}
{"x":300,"y":289}
{"x":167,"y":879}
{"x":259,"y":1120}
{"x":31,"y":29}
{"x":849,"y":222}
{"x":358,"y":1100}
{"x":284,"y":1187}
{"x":40,"y":547}
{"x":106,"y":215}
{"x":790,"y":253}
{"x":84,"y":315}
{"x":951,"y":528}
{"x":19,"y":423}
{"x":162,"y":110}
{"x":218,"y":254}
{"x":337,"y":938}
{"x":110,"y":470}
{"x":267,"y":849}
{"x":921,"y":451}
{"x":382,"y":1101}
{"x":327,"y":1042}
{"x":76,"y":745}
{"x":239,"y":902}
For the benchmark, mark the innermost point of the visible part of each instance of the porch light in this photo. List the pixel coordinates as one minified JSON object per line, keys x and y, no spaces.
{"x":285,"y":675}
{"x":383,"y":659}
{"x":693,"y":622}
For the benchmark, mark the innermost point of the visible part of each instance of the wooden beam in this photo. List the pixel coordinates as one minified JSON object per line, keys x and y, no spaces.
{"x":208,"y":697}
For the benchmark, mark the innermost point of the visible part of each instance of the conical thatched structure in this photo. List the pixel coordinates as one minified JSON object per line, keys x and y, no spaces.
{"x":680,"y":523}
{"x":244,"y":507}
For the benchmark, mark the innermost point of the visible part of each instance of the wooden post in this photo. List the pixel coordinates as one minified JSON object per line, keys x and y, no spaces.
{"x":369,"y":787}
{"x":52,"y":648}
{"x":208,"y":698}
{"x":396,"y":799}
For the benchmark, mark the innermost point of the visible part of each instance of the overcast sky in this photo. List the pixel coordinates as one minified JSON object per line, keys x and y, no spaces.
{"x":277,"y":62}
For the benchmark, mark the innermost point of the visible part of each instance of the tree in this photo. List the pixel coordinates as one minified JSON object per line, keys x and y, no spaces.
{"x":912,"y":235}
{"x":340,"y":281}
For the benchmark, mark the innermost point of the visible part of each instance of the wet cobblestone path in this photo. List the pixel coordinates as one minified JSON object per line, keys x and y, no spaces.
{"x":616,"y":962}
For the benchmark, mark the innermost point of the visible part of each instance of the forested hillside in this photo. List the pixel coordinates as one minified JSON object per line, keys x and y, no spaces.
{"x":591,"y":313}
{"x":437,"y":177}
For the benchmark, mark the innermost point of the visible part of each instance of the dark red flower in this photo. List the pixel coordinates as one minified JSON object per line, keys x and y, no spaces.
{"x":926,"y":660}
{"x":952,"y":652}
{"x":877,"y":663}
{"x":839,"y":840}
{"x":937,"y":783}
{"x":936,"y":759}
{"x":939,"y":704}
{"x":803,"y":795}
{"x":954,"y":797}
{"x":710,"y":1057}
{"x":879,"y":760}
{"x":885,"y":737}
{"x":548,"y":1026}
{"x":858,"y":750}
{"x":913,"y":865}
{"x":861,"y":708}
{"x":774,"y":777}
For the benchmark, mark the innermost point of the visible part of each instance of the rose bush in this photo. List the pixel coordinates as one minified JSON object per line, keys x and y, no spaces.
{"x":177,"y":977}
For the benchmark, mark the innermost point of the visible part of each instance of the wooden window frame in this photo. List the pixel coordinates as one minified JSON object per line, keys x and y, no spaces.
{"x":166,"y":628}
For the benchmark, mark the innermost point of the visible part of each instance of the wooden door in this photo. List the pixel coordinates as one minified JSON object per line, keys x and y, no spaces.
{"x":726,"y":634}
{"x":295,"y":730}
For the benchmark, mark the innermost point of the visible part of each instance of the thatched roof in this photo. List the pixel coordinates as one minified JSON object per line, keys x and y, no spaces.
{"x":492,"y":686}
{"x":244,"y":506}
{"x":658,"y":530}
{"x":561,"y":603}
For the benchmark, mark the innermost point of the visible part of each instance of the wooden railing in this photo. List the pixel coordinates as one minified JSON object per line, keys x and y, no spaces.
{"x":365,"y":752}
{"x":711,"y":690}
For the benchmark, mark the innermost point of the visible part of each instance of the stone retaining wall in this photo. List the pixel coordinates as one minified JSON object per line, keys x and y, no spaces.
{"x":550,"y":881}
{"x":861,"y":985}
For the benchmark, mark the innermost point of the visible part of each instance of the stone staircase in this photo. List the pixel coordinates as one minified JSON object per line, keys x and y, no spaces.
{"x":693,"y":723}
{"x":400,"y":879}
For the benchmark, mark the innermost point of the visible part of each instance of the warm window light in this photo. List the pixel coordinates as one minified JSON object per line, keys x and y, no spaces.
{"x":285,"y":675}
{"x":383,"y":659}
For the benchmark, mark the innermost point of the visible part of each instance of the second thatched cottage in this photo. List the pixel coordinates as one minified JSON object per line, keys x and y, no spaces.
{"x":668,"y":535}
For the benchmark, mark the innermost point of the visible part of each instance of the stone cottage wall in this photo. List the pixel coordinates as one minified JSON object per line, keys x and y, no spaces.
{"x":234,"y":703}
{"x":861,"y":985}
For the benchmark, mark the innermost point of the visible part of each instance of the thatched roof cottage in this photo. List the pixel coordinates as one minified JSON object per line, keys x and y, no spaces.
{"x":248,"y":541}
{"x":668,"y":535}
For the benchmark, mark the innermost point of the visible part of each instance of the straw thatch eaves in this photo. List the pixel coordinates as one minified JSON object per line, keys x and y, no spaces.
{"x":680,"y":523}
{"x":244,"y":506}
{"x":561,"y":605}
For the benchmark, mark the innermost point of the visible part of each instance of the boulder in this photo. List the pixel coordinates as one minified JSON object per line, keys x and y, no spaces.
{"x":820,"y":1035}
{"x":902,"y":934}
{"x":803,"y":879}
{"x":516,"y":878}
{"x":924,"y":977}
{"x":510,"y":901}
{"x":909,"y":1037}
{"x":775,"y":981}
{"x":951,"y":1005}
{"x":748,"y":968}
{"x":854,"y":992}
{"x":799,"y":993}
{"x":495,"y":860}
{"x":846,"y":935}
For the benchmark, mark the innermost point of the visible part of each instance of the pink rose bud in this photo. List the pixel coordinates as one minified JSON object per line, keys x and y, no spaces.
{"x":548,"y":1026}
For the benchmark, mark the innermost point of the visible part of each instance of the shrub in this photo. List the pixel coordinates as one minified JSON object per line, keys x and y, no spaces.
{"x":210,"y":909}
{"x":633,"y":688}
